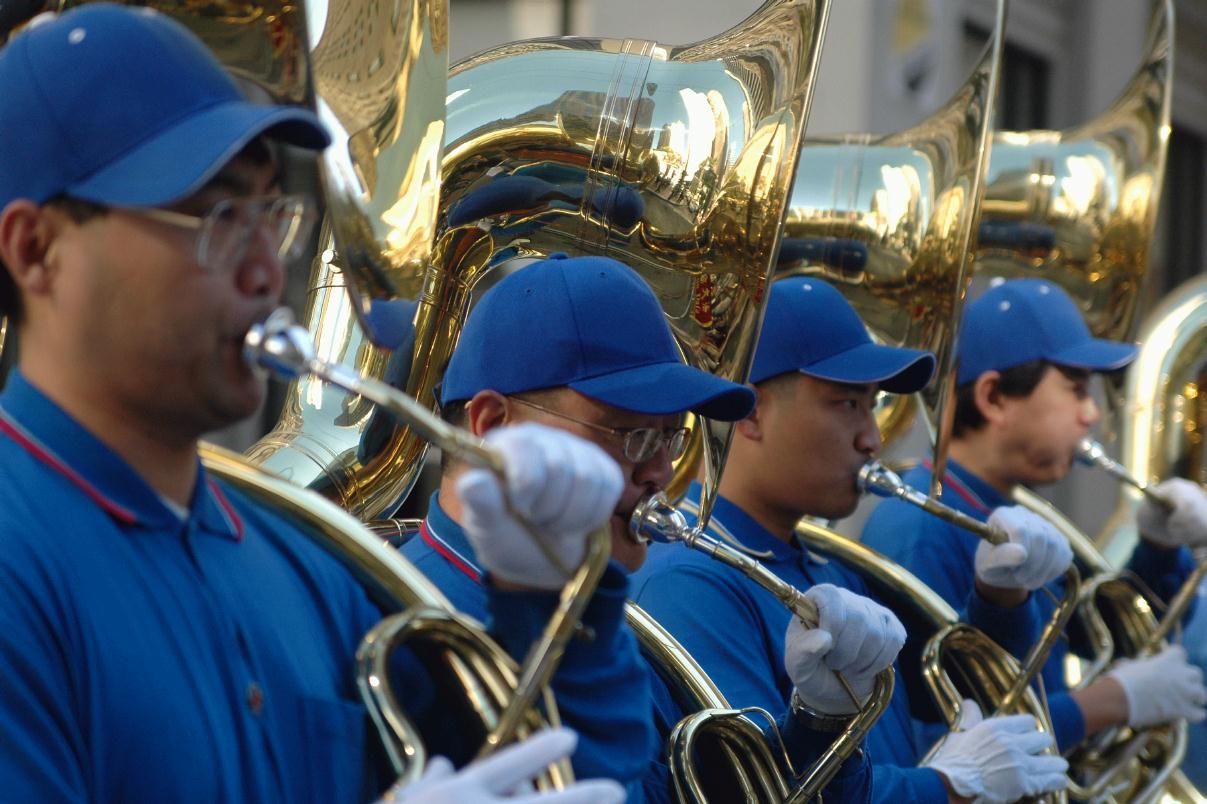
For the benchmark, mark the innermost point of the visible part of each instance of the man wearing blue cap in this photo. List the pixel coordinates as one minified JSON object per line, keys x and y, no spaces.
{"x":1023,"y":403}
{"x":162,"y":636}
{"x":816,"y":374}
{"x":582,"y":344}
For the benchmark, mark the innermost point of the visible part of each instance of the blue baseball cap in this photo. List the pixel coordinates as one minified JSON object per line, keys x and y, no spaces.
{"x":1022,"y":320}
{"x":811,"y":329}
{"x":124,"y":107}
{"x":590,"y":324}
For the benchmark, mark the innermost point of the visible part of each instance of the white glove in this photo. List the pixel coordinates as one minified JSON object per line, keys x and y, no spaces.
{"x":496,"y":777}
{"x":1186,"y":524}
{"x":564,"y":486}
{"x":855,"y":636}
{"x":1161,"y":688}
{"x":1036,"y":553}
{"x":1000,"y":759}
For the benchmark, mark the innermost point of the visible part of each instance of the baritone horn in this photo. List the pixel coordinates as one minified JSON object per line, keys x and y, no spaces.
{"x":656,"y":519}
{"x":284,"y":348}
{"x":875,"y":478}
{"x":953,"y":660}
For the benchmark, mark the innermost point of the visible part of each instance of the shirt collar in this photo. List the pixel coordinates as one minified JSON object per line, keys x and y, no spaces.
{"x":963,"y":484}
{"x":50,"y":435}
{"x":448,"y":538}
{"x":738,"y":529}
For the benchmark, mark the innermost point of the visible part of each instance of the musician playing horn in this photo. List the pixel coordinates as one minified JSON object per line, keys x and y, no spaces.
{"x":162,"y":636}
{"x":1025,"y":359}
{"x":816,"y":374}
{"x":582,"y":344}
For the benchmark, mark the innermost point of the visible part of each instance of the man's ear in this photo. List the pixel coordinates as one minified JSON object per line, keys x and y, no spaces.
{"x":987,"y":395}
{"x":486,"y":411}
{"x":27,"y":233}
{"x":751,"y":428}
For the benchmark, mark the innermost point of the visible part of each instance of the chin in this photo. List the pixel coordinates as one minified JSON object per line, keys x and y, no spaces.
{"x":628,"y":553}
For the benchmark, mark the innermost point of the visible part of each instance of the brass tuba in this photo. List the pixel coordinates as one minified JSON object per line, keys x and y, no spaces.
{"x":656,"y":519}
{"x":676,"y":160}
{"x":889,"y":222}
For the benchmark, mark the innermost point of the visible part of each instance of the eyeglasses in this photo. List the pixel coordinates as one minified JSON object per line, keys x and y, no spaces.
{"x":640,"y":443}
{"x":224,"y":233}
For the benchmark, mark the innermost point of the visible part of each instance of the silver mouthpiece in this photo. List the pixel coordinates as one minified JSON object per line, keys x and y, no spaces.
{"x":279,"y":345}
{"x":656,"y":520}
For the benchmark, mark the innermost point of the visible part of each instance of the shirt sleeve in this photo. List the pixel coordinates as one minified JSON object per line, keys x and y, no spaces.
{"x":1163,"y":570}
{"x":601,"y":685}
{"x":745,"y":669}
{"x":43,"y":756}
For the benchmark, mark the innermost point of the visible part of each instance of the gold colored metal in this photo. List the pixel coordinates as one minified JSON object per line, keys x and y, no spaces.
{"x":957,"y":661}
{"x":722,"y":756}
{"x":676,"y":160}
{"x":1165,"y":413}
{"x":457,"y":647}
{"x":1079,"y":206}
{"x":889,"y":221}
{"x":875,"y":478}
{"x":1116,"y":612}
{"x":380,"y":75}
{"x":655,"y":519}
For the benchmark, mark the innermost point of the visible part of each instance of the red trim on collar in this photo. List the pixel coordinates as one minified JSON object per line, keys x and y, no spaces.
{"x":46,"y":456}
{"x":432,"y":541}
{"x":961,"y":488}
{"x":232,"y":516}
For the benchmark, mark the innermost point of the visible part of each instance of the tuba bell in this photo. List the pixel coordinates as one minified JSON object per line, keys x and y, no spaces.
{"x":676,"y":160}
{"x":889,"y":221}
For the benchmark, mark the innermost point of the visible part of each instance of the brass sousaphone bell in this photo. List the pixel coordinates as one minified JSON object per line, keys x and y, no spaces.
{"x":1078,"y":207}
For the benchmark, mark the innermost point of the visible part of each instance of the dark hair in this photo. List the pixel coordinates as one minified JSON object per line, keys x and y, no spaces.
{"x":1016,"y":381}
{"x":79,"y":211}
{"x":453,"y":413}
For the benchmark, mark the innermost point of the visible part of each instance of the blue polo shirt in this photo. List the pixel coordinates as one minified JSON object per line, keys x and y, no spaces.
{"x":735,"y":629}
{"x":148,"y":658}
{"x":942,"y":556}
{"x":605,"y":689}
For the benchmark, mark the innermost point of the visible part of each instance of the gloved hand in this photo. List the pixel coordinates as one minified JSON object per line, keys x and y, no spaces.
{"x":1036,"y":553}
{"x":999,"y":759}
{"x":494,"y":778}
{"x":1161,"y":688}
{"x":855,"y":636}
{"x":564,"y":486}
{"x":1186,"y":524}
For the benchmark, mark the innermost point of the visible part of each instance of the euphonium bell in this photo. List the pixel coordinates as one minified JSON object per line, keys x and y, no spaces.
{"x":889,"y":221}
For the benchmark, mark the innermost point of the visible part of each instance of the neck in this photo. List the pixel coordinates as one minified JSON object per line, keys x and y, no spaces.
{"x":739,"y":488}
{"x":164,"y":459}
{"x":450,"y":503}
{"x":975,"y":452}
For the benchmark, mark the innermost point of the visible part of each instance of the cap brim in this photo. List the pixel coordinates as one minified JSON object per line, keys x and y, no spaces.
{"x":896,"y":370}
{"x":663,"y":389}
{"x":181,"y":159}
{"x":1096,"y":355}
